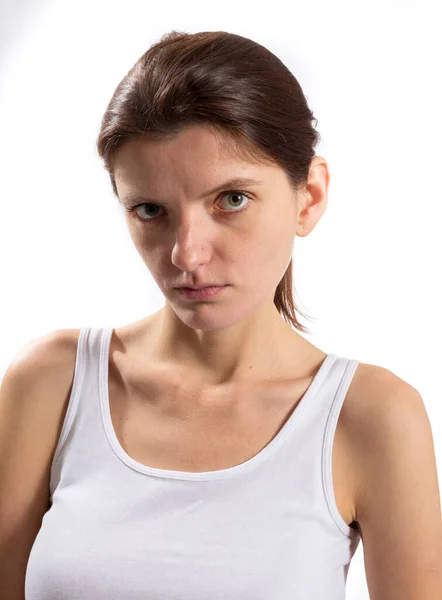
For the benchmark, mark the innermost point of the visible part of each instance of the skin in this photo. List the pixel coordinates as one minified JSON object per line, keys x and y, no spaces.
{"x":240,"y":335}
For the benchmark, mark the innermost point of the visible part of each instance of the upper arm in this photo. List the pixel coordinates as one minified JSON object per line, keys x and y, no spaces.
{"x":33,"y":395}
{"x":398,"y":498}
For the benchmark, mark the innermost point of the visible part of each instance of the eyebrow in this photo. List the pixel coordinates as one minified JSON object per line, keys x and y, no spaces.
{"x":133,"y":197}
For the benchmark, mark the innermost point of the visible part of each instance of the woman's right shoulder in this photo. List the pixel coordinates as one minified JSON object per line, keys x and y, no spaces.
{"x":49,"y":346}
{"x":46,"y":363}
{"x":34,"y":395}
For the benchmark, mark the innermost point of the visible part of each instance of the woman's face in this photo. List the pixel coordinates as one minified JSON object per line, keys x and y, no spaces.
{"x":241,"y":235}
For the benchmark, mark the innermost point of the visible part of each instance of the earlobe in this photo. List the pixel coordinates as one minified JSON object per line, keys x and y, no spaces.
{"x":303,"y":227}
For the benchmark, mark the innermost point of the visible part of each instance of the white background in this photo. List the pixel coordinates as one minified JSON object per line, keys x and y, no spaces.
{"x":370,"y":271}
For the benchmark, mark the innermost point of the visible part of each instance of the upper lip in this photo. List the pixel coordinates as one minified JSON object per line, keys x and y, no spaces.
{"x":200,"y":287}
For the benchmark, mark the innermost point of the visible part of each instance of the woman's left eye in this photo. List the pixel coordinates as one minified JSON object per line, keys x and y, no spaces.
{"x":237,"y":194}
{"x":227,"y":193}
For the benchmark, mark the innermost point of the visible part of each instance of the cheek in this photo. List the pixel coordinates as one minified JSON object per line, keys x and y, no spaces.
{"x":276,"y":250}
{"x":272,"y":239}
{"x":264,"y":253}
{"x":152,"y":254}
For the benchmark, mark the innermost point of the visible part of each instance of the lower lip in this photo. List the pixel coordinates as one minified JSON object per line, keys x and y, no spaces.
{"x":203,"y":294}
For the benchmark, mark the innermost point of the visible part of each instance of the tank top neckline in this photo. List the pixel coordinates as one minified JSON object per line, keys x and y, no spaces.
{"x":295,"y":418}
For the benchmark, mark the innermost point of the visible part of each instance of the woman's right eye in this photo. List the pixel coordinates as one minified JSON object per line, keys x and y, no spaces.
{"x":136,"y":206}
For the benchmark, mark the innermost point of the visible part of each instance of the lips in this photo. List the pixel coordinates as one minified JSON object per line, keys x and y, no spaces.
{"x":204,"y":293}
{"x":200,"y":287}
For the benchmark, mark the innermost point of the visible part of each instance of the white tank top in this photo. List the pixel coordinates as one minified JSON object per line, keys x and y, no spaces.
{"x":266,"y":529}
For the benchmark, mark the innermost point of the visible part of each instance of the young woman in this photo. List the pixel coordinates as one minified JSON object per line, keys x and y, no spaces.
{"x":209,"y":450}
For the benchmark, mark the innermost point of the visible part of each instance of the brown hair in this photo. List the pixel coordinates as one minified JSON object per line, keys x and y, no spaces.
{"x":235,"y":86}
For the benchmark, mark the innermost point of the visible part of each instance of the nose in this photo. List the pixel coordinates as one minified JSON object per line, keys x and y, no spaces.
{"x":193,"y":242}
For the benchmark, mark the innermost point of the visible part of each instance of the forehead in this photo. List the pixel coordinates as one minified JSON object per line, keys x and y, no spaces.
{"x":192,"y":161}
{"x":194,"y":145}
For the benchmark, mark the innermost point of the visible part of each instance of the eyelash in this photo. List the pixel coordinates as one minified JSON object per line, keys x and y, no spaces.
{"x":133,"y":208}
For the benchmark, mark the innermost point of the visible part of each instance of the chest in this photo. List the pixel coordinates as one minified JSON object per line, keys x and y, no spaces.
{"x":185,"y":428}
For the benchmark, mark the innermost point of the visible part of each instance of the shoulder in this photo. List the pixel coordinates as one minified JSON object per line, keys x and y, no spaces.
{"x":373,"y":390}
{"x":34,"y":396}
{"x":378,"y":400}
{"x":43,"y":367}
{"x":397,"y":497}
{"x":34,"y":392}
{"x":48,"y":347}
{"x":385,"y":419}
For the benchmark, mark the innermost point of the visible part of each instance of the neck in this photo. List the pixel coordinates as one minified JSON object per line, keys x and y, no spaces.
{"x":262,"y":348}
